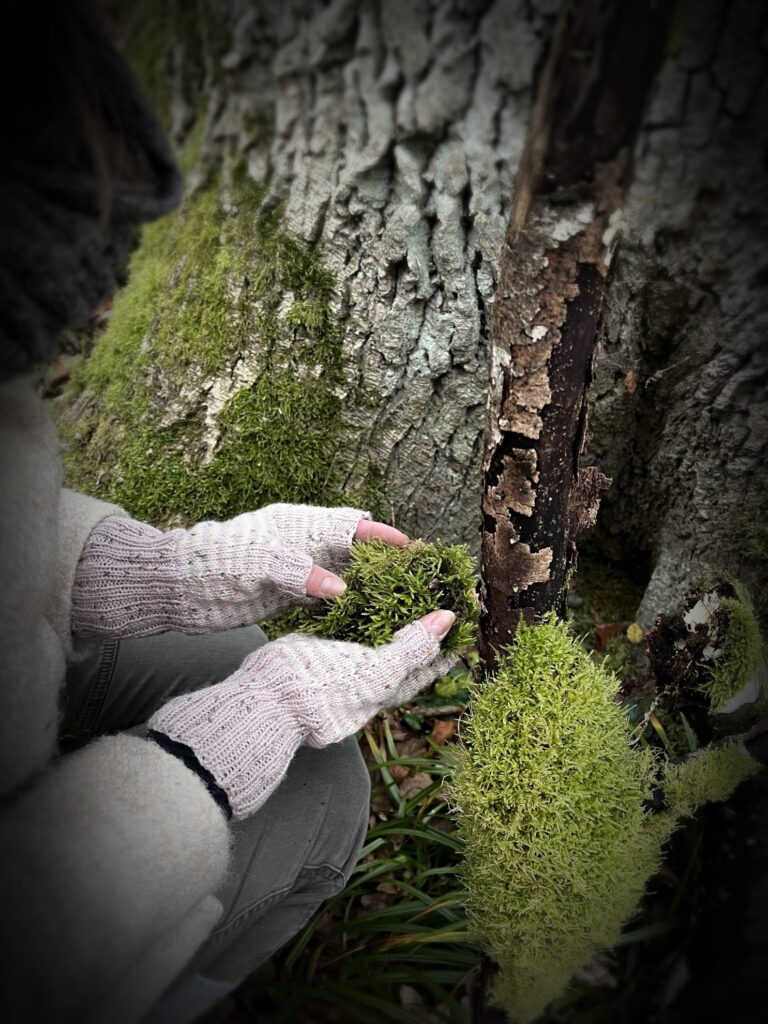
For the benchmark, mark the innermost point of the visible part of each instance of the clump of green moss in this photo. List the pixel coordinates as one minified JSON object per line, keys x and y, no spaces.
{"x":216,"y":280}
{"x":549,"y":796}
{"x":551,"y":799}
{"x":388,"y":587}
{"x":739,"y":648}
{"x":709,"y":776}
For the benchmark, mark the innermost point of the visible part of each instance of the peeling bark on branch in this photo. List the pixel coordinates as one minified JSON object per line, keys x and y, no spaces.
{"x":555,"y":260}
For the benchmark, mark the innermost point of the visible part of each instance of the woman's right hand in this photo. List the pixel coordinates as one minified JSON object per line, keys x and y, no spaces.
{"x":293,"y":691}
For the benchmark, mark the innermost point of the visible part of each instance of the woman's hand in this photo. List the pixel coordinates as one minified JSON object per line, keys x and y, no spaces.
{"x":326,"y":535}
{"x":133,"y":580}
{"x":297,"y":690}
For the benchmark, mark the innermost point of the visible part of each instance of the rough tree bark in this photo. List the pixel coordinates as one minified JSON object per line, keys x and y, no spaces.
{"x":391,"y":133}
{"x":387,"y":134}
{"x":553,"y":274}
{"x":552,"y":284}
{"x":679,"y":403}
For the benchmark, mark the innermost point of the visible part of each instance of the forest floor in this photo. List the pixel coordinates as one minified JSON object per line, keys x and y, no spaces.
{"x":396,"y":945}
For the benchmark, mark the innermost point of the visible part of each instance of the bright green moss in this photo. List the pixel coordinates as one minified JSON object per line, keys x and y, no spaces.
{"x":550,"y":796}
{"x":205,"y":286}
{"x":388,"y":587}
{"x":740,"y":649}
{"x":708,"y":776}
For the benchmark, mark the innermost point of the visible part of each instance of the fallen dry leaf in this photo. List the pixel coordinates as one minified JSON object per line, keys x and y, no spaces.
{"x":605,"y":631}
{"x":414,"y":746}
{"x":443,"y":730}
{"x":414,"y":784}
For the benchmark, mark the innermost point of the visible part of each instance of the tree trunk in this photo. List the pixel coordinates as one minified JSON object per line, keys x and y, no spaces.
{"x":546,"y":319}
{"x":678,"y":405}
{"x":386,"y":136}
{"x":548,"y":305}
{"x":389,"y":135}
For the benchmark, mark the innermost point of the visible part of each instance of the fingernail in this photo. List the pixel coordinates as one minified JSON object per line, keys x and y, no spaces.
{"x":438,"y":623}
{"x":332,"y":586}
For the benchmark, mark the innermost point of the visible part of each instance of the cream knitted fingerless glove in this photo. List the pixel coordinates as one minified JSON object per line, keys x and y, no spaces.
{"x":133,"y":580}
{"x":298,"y":689}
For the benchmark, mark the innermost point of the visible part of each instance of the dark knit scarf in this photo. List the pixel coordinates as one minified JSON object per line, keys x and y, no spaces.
{"x":58,"y":260}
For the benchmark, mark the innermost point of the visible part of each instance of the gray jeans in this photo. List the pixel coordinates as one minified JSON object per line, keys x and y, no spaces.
{"x":301,"y":845}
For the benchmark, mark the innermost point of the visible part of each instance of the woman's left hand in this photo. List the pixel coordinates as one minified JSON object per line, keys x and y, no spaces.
{"x":133,"y":580}
{"x":326,"y":536}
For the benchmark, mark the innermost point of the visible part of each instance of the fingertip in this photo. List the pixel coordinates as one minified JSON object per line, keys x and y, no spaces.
{"x":438,"y":623}
{"x":332,"y":586}
{"x":368,"y":529}
{"x":322,"y":583}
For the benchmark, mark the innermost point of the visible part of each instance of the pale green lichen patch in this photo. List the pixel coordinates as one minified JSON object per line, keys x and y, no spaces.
{"x":216,"y":285}
{"x":551,"y":794}
{"x":388,"y":587}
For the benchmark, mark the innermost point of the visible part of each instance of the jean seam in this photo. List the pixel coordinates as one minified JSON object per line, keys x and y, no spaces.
{"x":326,"y":871}
{"x":98,"y":695}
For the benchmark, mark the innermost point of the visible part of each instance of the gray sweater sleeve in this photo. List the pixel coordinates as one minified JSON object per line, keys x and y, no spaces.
{"x":109,"y":866}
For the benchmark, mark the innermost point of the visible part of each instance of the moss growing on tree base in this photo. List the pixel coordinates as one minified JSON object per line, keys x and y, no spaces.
{"x":736,"y":660}
{"x":388,"y":587}
{"x":217,"y":298}
{"x":551,"y":802}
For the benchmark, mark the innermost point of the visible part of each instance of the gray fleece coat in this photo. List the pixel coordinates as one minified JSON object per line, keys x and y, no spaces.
{"x":109,"y":857}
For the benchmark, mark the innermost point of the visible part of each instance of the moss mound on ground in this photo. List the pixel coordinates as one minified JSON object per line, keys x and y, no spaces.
{"x":551,"y":798}
{"x":388,"y":587}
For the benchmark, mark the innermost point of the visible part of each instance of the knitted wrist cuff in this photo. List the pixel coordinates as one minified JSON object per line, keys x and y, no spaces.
{"x":187,"y":756}
{"x":127,"y":581}
{"x":241,"y":731}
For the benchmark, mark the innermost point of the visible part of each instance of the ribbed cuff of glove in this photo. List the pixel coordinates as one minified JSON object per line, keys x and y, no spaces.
{"x":127,"y":581}
{"x":133,"y":580}
{"x":243,"y":731}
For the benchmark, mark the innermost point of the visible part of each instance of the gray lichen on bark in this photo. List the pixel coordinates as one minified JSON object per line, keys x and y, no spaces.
{"x":399,"y":128}
{"x":679,"y":410}
{"x":388,"y":132}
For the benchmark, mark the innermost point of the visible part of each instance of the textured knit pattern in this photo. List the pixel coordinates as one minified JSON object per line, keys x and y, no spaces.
{"x":325,"y":534}
{"x":298,"y":689}
{"x":133,"y":580}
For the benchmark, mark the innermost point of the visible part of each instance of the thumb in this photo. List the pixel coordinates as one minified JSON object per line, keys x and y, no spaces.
{"x":323,"y":583}
{"x":418,"y":644}
{"x":438,"y":623}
